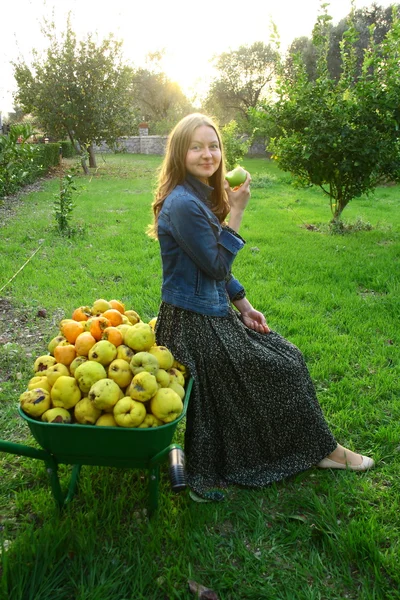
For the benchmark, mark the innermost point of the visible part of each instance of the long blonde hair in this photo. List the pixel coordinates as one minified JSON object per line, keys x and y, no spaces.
{"x":173,"y":171}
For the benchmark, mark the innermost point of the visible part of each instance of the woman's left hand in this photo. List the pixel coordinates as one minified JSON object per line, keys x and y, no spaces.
{"x":253,"y":319}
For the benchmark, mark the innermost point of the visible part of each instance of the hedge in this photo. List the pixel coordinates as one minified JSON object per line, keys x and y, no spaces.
{"x":48,"y":155}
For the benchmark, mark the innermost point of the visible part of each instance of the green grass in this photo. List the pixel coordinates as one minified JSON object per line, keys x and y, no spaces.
{"x":320,"y":535}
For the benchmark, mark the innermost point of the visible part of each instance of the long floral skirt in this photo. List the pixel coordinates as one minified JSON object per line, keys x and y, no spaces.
{"x":253,"y":417}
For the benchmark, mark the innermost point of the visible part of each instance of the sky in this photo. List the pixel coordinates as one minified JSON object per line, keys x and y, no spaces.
{"x":189,"y":32}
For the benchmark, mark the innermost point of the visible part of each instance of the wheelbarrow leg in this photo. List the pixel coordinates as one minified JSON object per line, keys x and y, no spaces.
{"x":61,"y":499}
{"x":76,"y":469}
{"x":52,"y":472}
{"x":177,"y":475}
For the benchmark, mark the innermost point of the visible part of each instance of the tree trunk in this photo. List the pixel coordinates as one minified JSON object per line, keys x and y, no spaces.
{"x":92,"y":157}
{"x":78,"y":149}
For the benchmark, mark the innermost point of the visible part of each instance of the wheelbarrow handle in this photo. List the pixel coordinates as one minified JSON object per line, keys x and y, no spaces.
{"x":51,"y":468}
{"x":22,"y":450}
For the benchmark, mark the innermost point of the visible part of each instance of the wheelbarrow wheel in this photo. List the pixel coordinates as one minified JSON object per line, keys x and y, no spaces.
{"x":177,"y":472}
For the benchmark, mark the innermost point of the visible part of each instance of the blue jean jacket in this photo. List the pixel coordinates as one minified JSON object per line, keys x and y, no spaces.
{"x":196,"y":251}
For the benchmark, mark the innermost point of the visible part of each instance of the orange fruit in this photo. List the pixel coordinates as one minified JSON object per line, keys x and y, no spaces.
{"x":65,"y":353}
{"x":62,"y":323}
{"x":71,"y":329}
{"x":81,"y":314}
{"x":114,"y":316}
{"x":54,"y":342}
{"x":117,"y":305}
{"x":113,"y":335}
{"x":83,"y":343}
{"x":98,"y":325}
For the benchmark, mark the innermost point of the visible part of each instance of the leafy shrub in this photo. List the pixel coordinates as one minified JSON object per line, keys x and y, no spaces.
{"x":67,"y":149}
{"x":339,"y":227}
{"x":47,"y":156}
{"x":18,"y":166}
{"x":64,"y":203}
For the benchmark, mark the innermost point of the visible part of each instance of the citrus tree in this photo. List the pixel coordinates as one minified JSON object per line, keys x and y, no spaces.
{"x":342,"y":135}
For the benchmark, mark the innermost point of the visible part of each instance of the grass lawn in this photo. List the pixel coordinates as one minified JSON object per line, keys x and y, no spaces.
{"x":320,"y":535}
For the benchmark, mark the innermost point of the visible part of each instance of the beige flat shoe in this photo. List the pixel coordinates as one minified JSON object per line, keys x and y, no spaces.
{"x":327,"y":463}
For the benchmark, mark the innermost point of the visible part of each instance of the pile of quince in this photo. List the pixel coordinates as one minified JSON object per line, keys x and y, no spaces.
{"x":104,"y":368}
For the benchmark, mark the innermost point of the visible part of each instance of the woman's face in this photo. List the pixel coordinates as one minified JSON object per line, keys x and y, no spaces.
{"x":204,"y":155}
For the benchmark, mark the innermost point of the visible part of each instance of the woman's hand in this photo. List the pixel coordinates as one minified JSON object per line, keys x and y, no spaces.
{"x":256,"y":321}
{"x":252,"y":318}
{"x":238,"y":199}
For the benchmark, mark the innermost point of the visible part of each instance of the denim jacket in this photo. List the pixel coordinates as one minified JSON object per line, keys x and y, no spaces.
{"x":197,"y":252}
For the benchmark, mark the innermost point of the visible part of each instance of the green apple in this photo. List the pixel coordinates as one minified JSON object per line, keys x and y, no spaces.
{"x":236,"y":177}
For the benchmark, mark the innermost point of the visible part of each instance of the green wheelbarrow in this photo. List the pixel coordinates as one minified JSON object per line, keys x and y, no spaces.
{"x":79,"y":445}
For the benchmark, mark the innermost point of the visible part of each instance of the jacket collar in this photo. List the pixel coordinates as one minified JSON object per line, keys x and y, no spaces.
{"x":202,"y":190}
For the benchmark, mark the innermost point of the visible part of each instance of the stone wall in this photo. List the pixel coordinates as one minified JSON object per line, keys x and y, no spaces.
{"x":155,"y":144}
{"x":137,"y":144}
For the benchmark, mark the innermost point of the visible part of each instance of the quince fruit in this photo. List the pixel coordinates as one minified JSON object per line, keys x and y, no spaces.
{"x":129,"y":413}
{"x":139,"y":337}
{"x":57,"y":415}
{"x":104,"y":394}
{"x":88,"y":373}
{"x":143,"y":386}
{"x":163,"y":355}
{"x":35,"y":402}
{"x":166,"y":405}
{"x":65,"y":393}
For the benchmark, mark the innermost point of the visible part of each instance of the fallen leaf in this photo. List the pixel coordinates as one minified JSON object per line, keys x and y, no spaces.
{"x":201,"y":591}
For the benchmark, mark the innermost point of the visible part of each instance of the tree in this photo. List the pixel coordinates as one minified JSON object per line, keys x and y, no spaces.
{"x":16,"y":116}
{"x":377,"y":16}
{"x":156,"y":98}
{"x":305,"y":47}
{"x":243,"y":79}
{"x":81,"y":90}
{"x":340,"y":135}
{"x":235,"y":146}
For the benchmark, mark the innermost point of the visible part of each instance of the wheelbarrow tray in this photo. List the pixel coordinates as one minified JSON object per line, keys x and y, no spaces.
{"x":104,"y":446}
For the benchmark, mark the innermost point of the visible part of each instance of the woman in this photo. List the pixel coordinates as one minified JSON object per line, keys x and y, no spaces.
{"x":253,"y":417}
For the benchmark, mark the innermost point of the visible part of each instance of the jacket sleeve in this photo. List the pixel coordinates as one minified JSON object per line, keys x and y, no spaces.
{"x":234,"y":288}
{"x":211,"y":248}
